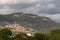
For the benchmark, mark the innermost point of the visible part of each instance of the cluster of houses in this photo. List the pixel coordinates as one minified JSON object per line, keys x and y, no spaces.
{"x":17,"y":28}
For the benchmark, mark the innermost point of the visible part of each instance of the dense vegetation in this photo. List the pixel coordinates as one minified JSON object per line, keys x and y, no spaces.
{"x":6,"y":34}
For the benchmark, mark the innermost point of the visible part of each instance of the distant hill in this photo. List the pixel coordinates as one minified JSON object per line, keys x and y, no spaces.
{"x":29,"y":21}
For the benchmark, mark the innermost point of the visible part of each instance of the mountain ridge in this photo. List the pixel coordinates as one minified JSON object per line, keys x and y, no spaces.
{"x":29,"y":20}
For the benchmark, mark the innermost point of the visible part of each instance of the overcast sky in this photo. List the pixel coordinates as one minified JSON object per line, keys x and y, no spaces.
{"x":49,"y":8}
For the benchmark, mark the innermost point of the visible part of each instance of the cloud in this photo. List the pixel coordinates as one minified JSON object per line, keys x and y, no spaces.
{"x":16,"y":1}
{"x":55,"y":17}
{"x":49,"y":8}
{"x":7,"y":10}
{"x":40,"y":6}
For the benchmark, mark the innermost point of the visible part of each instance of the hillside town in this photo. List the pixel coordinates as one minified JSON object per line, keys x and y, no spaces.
{"x":18,"y":28}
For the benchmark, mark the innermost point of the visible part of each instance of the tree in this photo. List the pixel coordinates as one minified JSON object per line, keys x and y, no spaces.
{"x":39,"y":36}
{"x":20,"y":36}
{"x":55,"y":35}
{"x":29,"y":38}
{"x":1,"y":38}
{"x":5,"y":33}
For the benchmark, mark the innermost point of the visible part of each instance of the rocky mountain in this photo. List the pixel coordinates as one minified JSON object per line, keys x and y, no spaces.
{"x":29,"y":21}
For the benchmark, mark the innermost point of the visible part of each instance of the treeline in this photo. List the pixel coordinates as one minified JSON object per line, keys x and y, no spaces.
{"x":6,"y":34}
